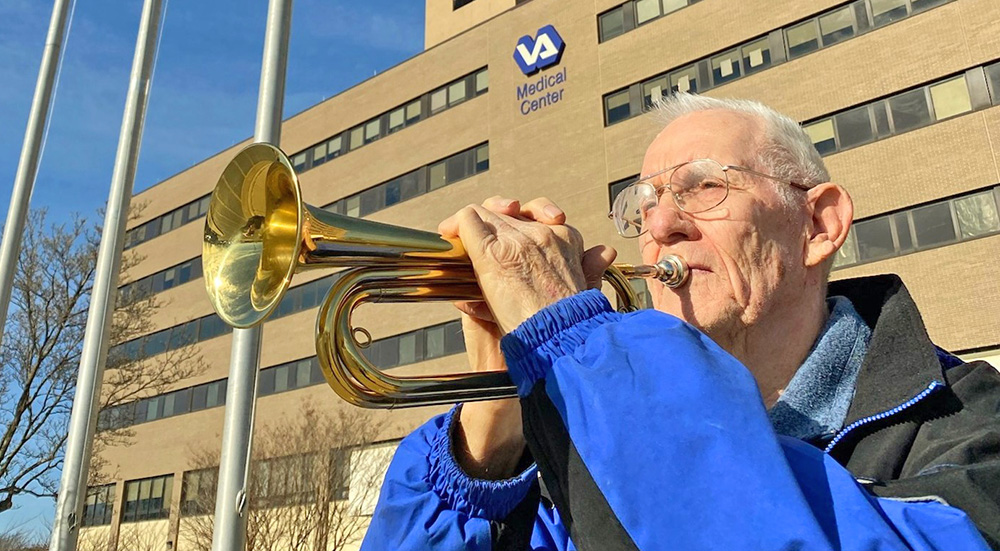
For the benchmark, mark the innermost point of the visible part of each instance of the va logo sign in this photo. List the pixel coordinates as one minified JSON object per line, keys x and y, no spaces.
{"x":545,"y":49}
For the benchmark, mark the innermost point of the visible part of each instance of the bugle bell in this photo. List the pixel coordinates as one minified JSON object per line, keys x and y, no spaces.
{"x":259,"y":232}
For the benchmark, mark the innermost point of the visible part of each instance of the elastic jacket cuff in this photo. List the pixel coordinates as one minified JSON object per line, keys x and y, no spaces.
{"x":555,"y":331}
{"x":487,"y":499}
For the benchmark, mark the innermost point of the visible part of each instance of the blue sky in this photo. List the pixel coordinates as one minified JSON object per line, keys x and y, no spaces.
{"x":203,"y":99}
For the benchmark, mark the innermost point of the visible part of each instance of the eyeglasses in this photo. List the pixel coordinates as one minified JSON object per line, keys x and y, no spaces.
{"x":695,"y":186}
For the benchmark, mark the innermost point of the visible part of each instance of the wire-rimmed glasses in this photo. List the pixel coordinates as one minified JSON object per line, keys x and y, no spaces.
{"x":695,"y":186}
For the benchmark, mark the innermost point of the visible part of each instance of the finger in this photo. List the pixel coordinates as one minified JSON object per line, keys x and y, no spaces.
{"x":543,"y":210}
{"x":476,"y":309}
{"x":595,"y":261}
{"x":473,"y":229}
{"x":449,"y":226}
{"x":502,"y":205}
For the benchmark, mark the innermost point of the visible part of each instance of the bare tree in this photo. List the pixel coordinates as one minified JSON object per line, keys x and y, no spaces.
{"x":41,"y":351}
{"x":20,"y":540}
{"x":312,"y":475}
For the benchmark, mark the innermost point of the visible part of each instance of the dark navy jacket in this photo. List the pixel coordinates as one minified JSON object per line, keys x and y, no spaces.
{"x":649,"y":436}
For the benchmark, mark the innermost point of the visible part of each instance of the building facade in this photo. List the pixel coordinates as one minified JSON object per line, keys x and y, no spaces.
{"x":542,"y":97}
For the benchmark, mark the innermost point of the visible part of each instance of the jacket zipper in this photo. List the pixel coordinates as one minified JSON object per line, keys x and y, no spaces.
{"x":879,"y":416}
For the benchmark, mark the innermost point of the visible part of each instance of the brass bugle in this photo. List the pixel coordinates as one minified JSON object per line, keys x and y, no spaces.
{"x":259,"y":233}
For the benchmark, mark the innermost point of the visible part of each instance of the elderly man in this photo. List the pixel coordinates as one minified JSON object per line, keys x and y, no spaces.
{"x":757,"y":407}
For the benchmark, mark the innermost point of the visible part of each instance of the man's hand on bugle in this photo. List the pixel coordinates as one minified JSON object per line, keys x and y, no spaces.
{"x":490,"y":441}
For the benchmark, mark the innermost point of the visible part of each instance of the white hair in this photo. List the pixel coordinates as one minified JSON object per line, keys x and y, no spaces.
{"x":784,"y":151}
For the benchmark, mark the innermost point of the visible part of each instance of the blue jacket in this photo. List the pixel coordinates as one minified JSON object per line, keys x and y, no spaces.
{"x":649,"y":436}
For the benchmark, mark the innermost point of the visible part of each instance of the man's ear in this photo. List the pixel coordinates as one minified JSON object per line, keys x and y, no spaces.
{"x":832,"y":211}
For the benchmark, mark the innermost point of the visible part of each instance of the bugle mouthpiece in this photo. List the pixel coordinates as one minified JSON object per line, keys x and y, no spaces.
{"x":672,"y":271}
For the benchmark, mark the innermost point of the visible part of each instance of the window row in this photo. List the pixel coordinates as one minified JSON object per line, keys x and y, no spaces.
{"x":430,"y":103}
{"x":418,"y":182}
{"x":932,"y":225}
{"x":301,"y":478}
{"x":422,"y":344}
{"x":160,"y":281}
{"x":626,"y":17}
{"x":297,"y":299}
{"x":824,"y":30}
{"x":975,"y":89}
{"x":147,"y":499}
{"x":178,"y":402}
{"x":414,"y":346}
{"x":167,"y":222}
{"x":99,"y":505}
{"x":275,"y":481}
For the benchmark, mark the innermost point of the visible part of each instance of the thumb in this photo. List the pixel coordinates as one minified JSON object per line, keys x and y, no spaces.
{"x":595,"y":260}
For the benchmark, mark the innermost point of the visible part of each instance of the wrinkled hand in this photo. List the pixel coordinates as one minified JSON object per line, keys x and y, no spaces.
{"x":490,"y":441}
{"x":521,"y":266}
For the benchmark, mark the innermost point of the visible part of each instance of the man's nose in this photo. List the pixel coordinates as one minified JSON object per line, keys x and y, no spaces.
{"x":667,"y":224}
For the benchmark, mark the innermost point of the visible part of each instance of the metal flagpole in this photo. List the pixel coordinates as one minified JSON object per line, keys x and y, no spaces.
{"x":83,"y":420}
{"x":237,"y":434}
{"x":27,"y":166}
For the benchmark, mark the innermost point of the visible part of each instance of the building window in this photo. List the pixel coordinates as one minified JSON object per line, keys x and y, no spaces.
{"x":854,"y":127}
{"x":482,"y":158}
{"x":147,"y":499}
{"x":822,"y":135}
{"x":837,"y":26}
{"x":198,"y":492}
{"x":438,"y":177}
{"x":333,"y":147}
{"x":372,"y":130}
{"x":482,"y":81}
{"x":616,"y":107}
{"x":887,"y":11}
{"x":726,"y":67}
{"x":439,"y":100}
{"x":685,"y":80}
{"x":977,"y":215}
{"x":646,"y":10}
{"x":802,"y":39}
{"x":356,"y":138}
{"x":909,"y":110}
{"x":848,"y":252}
{"x":455,"y":4}
{"x":993,"y":82}
{"x":413,"y":112}
{"x":456,"y":93}
{"x":99,"y":505}
{"x":933,"y":225}
{"x":903,"y":231}
{"x":874,"y":239}
{"x":652,"y":91}
{"x":757,"y":55}
{"x":670,"y":6}
{"x":353,"y":206}
{"x":396,"y":120}
{"x":961,"y":218}
{"x":612,"y":23}
{"x":950,"y":98}
{"x":614,"y":188}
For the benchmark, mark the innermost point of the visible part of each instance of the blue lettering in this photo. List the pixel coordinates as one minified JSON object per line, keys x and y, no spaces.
{"x":522,"y":91}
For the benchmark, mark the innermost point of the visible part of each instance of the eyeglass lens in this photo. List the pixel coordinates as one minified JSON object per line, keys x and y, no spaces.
{"x":695,"y":187}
